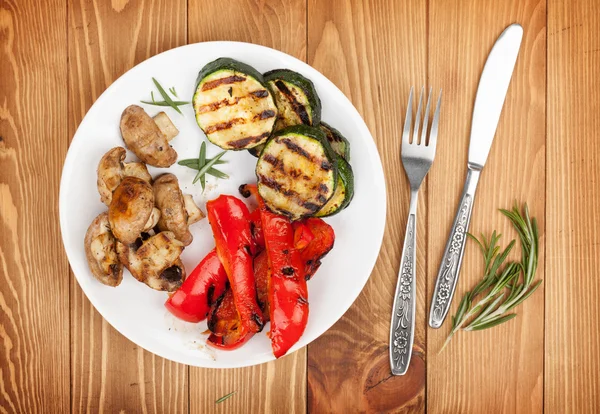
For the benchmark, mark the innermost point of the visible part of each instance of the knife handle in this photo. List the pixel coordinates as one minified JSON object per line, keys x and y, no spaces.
{"x":448,"y":273}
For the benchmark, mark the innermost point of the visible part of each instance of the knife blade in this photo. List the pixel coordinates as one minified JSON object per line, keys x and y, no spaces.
{"x":491,"y":93}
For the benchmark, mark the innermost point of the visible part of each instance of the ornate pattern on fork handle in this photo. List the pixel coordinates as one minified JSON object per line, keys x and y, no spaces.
{"x":404,"y":302}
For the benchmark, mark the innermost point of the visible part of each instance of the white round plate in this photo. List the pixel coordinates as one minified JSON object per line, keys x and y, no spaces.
{"x":137,"y":311}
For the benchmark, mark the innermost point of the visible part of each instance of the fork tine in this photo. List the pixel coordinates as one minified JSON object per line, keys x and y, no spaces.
{"x":418,"y":118}
{"x":435,"y":122}
{"x":407,"y":119}
{"x":426,"y":120}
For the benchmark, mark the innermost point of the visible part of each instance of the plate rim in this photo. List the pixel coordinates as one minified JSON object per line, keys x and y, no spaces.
{"x":381,"y":210}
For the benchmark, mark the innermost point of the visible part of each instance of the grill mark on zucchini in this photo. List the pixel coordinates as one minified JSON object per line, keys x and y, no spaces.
{"x":266,"y":114}
{"x":224,"y":125}
{"x":298,"y":108}
{"x":243,"y":142}
{"x":222,"y":81}
{"x":323,"y":164}
{"x":290,"y":194}
{"x":278,"y":165}
{"x":263,"y":93}
{"x":213,"y":106}
{"x":295,"y":148}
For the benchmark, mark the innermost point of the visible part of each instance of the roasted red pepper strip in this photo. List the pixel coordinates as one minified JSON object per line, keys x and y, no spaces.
{"x":321,"y":244}
{"x":224,"y":323}
{"x":207,"y":282}
{"x":262,"y":276}
{"x":230,"y":221}
{"x":302,"y":235}
{"x":288,"y":293}
{"x":257,"y":234}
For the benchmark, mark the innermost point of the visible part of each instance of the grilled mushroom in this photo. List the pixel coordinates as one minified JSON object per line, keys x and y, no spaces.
{"x":101,"y":253}
{"x":155,"y":261}
{"x":143,"y":136}
{"x":194,"y":212}
{"x":175,"y":209}
{"x":112,"y":169}
{"x":131,"y":209}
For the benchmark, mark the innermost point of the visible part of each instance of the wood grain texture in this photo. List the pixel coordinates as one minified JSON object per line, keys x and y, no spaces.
{"x":280,"y":386}
{"x":497,"y":370}
{"x":373,"y":51}
{"x":572,"y":362}
{"x":34,"y":301}
{"x":108,"y":372}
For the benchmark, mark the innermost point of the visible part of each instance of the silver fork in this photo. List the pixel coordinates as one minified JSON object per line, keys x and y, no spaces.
{"x":417,"y":157}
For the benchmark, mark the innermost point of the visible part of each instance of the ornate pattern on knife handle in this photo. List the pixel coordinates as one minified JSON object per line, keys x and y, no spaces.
{"x":402,"y":330}
{"x":455,"y":248}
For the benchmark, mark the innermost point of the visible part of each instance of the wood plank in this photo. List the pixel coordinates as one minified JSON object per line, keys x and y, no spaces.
{"x":572,"y":288}
{"x":374,"y":51}
{"x":278,"y":386}
{"x":109,"y":373}
{"x":34,"y":304}
{"x":498,"y":370}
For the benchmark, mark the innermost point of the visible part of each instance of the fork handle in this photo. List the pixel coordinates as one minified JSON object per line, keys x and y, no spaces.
{"x":448,"y":273}
{"x":402,"y":330}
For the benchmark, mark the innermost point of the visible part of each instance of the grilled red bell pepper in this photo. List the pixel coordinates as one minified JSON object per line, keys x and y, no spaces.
{"x":318,"y":247}
{"x":224,"y":321}
{"x":263,"y":277}
{"x":230,"y":221}
{"x":288,"y":293}
{"x":302,"y":235}
{"x":225,"y":325}
{"x":257,"y":234}
{"x":207,"y":282}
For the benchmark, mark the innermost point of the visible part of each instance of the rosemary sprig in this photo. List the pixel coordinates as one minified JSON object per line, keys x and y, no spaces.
{"x":500,"y":290}
{"x":205,"y":166}
{"x":167,"y":99}
{"x":163,"y":103}
{"x":223,"y":398}
{"x":166,"y":96}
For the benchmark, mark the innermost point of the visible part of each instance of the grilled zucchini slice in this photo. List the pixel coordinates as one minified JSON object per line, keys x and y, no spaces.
{"x":338,"y":143}
{"x":296,"y":98}
{"x":343,"y":192}
{"x":297,"y":172}
{"x":233,"y":105}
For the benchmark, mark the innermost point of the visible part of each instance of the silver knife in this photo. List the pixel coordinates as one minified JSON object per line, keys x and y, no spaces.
{"x":489,"y":100}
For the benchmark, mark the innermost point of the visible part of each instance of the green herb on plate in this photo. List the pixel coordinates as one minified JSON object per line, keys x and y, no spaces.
{"x":504,"y":285}
{"x":205,"y":166}
{"x":225,"y":397}
{"x":167,"y":99}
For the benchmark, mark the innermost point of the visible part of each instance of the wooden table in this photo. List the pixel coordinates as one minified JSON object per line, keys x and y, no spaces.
{"x":57,"y":354}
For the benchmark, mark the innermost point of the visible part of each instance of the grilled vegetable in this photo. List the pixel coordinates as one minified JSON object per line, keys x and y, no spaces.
{"x":203,"y":287}
{"x":233,"y":105}
{"x":145,"y":139}
{"x":101,"y":254}
{"x":155,"y":261}
{"x":318,"y":247}
{"x":343,"y":192}
{"x":296,"y":98}
{"x":230,"y":221}
{"x":338,"y":143}
{"x":297,"y":172}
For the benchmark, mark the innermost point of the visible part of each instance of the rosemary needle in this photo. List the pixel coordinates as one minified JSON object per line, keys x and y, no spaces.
{"x":223,"y":398}
{"x":166,"y":96}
